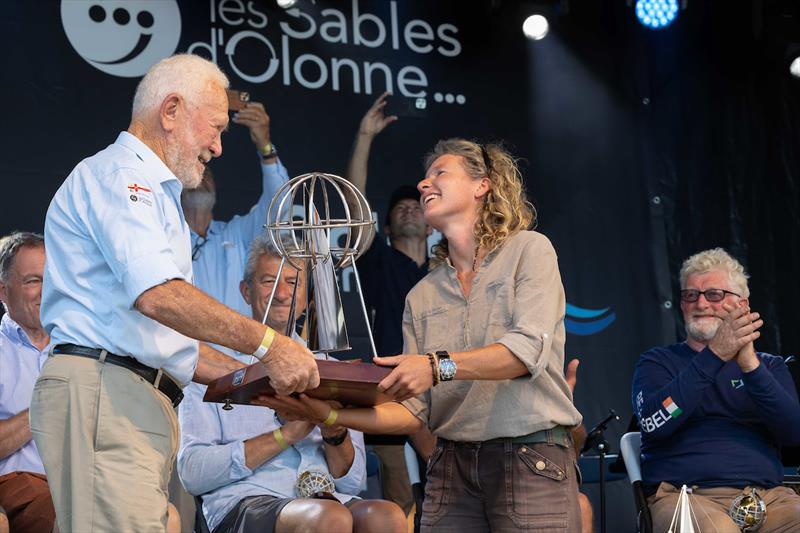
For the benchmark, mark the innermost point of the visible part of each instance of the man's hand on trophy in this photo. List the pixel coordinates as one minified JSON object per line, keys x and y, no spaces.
{"x":375,"y":119}
{"x":291,"y":366}
{"x":303,"y":408}
{"x":412,"y":375}
{"x":255,"y":117}
{"x":737,"y":328}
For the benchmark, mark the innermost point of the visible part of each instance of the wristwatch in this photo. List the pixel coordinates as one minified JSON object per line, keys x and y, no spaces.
{"x":335,"y":440}
{"x":268,"y":151}
{"x":447,"y":367}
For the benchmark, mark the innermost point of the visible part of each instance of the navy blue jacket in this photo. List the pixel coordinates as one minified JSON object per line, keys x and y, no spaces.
{"x":705,"y":423}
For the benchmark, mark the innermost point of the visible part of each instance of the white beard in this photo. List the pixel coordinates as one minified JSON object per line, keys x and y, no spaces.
{"x":702,"y":329}
{"x":183,"y":165}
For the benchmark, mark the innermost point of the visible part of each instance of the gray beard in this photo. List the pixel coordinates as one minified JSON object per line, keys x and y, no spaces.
{"x":193,"y":199}
{"x":701,"y":332}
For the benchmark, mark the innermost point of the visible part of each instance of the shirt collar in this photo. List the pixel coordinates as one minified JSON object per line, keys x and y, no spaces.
{"x":148,"y":157}
{"x":14,"y":331}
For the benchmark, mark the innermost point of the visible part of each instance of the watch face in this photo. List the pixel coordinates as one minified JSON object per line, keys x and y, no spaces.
{"x":447,"y":369}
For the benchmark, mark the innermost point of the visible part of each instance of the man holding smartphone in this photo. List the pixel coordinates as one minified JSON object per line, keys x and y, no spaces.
{"x":219,"y":249}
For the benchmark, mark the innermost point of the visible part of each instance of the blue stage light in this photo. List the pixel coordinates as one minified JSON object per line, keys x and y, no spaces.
{"x":656,"y":14}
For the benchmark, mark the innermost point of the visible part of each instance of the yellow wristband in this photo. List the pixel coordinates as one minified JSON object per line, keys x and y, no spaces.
{"x":332,"y":416}
{"x":268,"y":150}
{"x":266,"y":342}
{"x":278,"y":434}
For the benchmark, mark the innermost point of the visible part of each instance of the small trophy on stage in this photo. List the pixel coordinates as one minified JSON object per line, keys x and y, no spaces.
{"x":748,"y":511}
{"x":330,"y":205}
{"x":683,"y":520}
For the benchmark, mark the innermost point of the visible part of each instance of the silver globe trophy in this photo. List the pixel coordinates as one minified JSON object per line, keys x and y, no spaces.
{"x":315,"y":484}
{"x":335,"y":226}
{"x":330,"y":205}
{"x":748,"y":511}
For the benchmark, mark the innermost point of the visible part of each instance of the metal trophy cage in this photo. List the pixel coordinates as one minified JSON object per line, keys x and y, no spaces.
{"x":335,"y":228}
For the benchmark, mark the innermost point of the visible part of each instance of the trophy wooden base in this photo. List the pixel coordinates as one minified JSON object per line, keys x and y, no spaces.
{"x":348,"y":383}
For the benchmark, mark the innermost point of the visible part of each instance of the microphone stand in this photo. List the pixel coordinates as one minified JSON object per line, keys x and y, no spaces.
{"x":596,"y":440}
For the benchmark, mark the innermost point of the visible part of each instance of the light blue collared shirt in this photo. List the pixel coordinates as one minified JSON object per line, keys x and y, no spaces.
{"x":114,"y":229}
{"x":20,"y":364}
{"x":220,"y":258}
{"x":211,"y":459}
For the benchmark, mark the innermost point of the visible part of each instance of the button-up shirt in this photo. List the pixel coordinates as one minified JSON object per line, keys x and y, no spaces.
{"x":20,"y":365}
{"x":516,"y":300}
{"x":220,"y":256}
{"x":211,"y":459}
{"x":115,"y":229}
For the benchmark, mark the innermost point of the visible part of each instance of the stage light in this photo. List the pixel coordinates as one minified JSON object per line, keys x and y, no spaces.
{"x":656,"y":14}
{"x":535,"y":27}
{"x":794,"y":67}
{"x":286,"y":4}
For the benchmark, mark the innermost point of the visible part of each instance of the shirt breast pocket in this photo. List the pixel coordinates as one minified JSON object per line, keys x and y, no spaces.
{"x":435,"y":329}
{"x":499,"y":306}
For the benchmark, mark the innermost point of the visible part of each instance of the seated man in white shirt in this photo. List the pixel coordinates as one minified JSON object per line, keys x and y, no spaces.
{"x":245,"y":462}
{"x":24,"y":493}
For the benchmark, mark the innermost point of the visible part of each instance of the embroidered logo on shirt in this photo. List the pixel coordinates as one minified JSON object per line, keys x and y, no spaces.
{"x":135,"y":187}
{"x":671,"y":407}
{"x":139,"y":198}
{"x":660,"y":417}
{"x":737,"y":383}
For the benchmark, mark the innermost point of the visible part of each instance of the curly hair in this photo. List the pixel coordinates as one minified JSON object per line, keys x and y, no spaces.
{"x":506,"y":209}
{"x":716,"y":259}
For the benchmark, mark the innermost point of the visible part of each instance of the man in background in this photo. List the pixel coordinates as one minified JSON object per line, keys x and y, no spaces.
{"x":713,"y":411}
{"x":219,"y":249}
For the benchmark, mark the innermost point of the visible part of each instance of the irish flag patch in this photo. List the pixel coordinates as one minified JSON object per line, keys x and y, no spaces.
{"x":671,"y":407}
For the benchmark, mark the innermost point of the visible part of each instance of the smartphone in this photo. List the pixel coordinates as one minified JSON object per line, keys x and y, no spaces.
{"x":237,"y":99}
{"x":408,"y":107}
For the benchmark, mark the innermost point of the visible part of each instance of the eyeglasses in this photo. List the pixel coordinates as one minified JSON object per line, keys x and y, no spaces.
{"x":201,"y":241}
{"x":711,"y":295}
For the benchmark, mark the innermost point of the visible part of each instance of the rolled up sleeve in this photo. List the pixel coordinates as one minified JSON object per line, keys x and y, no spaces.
{"x":538,"y":306}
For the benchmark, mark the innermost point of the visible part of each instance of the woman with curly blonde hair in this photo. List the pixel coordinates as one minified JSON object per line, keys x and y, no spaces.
{"x":490,"y":321}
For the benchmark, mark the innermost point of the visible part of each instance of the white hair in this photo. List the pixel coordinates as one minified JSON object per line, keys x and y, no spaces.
{"x":184,"y":74}
{"x":716,"y":259}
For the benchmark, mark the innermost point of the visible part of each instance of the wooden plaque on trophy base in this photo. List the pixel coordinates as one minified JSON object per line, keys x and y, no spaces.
{"x":348,"y":383}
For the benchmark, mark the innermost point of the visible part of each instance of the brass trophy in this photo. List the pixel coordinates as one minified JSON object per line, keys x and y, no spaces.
{"x":748,"y":511}
{"x":308,"y":243}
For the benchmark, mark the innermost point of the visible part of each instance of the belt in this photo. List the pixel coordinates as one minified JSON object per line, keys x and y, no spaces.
{"x":157,"y":378}
{"x":556,"y":435}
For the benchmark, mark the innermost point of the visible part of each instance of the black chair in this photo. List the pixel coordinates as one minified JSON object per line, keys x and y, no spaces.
{"x":200,"y":524}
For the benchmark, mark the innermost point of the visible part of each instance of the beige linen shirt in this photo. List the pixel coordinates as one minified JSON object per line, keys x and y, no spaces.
{"x":516,"y":300}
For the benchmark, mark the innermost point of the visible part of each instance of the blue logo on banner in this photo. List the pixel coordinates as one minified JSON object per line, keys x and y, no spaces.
{"x":581,"y":321}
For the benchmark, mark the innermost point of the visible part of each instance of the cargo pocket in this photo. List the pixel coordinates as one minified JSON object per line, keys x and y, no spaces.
{"x":537,"y":486}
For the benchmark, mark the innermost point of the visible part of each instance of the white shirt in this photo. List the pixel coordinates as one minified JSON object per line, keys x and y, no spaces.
{"x":219,"y":258}
{"x":20,"y":364}
{"x":114,"y":229}
{"x":211,"y":459}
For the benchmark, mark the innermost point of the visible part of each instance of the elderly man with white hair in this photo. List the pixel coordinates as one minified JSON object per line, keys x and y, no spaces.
{"x":713,"y":411}
{"x":122,"y":314}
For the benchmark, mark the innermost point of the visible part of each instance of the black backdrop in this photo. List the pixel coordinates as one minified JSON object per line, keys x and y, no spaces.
{"x":639,"y":147}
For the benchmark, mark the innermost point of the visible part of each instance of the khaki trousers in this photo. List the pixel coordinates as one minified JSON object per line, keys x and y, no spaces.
{"x":394,"y":475}
{"x":711,"y":505}
{"x":108,"y":441}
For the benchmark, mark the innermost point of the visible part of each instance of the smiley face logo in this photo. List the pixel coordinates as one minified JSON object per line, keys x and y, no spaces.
{"x":119,"y":37}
